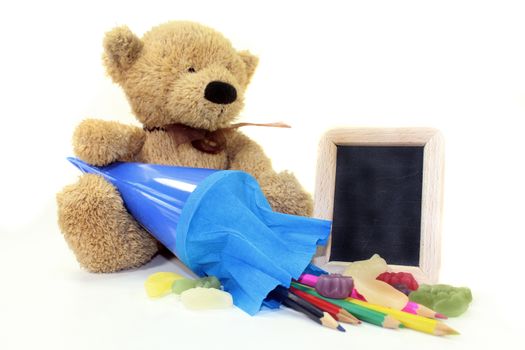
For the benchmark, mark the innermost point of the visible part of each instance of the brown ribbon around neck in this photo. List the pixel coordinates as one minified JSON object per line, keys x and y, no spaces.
{"x":204,"y":140}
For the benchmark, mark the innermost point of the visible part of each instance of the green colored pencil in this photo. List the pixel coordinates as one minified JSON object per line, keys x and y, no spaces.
{"x":364,"y":314}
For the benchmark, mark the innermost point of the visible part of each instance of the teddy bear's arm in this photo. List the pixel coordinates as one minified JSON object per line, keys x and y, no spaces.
{"x":283,"y":191}
{"x":101,"y":142}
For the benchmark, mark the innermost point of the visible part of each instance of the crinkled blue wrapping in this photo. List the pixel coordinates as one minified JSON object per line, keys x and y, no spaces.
{"x":228,"y":229}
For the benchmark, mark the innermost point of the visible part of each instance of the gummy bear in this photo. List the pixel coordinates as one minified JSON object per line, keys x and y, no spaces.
{"x":445,"y":299}
{"x":206,"y":298}
{"x":159,"y":283}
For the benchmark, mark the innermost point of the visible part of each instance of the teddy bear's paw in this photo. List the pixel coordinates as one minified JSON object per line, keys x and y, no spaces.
{"x":286,"y":195}
{"x":99,"y":230}
{"x":101,"y":142}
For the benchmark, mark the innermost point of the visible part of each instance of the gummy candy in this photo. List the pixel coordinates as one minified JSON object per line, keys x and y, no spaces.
{"x":334,"y":286}
{"x":402,"y":288}
{"x":208,"y":282}
{"x":380,"y":293}
{"x":394,"y":278}
{"x":206,"y":298}
{"x":370,"y":268}
{"x":159,"y":283}
{"x":443,"y":298}
{"x":364,"y":273}
{"x":182,"y":285}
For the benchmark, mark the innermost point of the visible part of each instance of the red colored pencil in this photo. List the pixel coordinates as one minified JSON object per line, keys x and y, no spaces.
{"x":336,"y":311}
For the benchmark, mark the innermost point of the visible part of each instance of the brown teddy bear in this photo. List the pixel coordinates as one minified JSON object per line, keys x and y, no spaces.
{"x":185,"y":83}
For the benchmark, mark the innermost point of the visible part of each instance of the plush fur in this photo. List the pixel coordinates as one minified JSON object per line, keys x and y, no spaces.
{"x":164,"y":75}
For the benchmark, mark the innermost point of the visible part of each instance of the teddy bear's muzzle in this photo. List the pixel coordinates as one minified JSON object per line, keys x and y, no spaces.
{"x":220,"y":92}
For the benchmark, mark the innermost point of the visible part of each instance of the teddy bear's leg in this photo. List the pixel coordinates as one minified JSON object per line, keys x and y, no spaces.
{"x":285,"y":194}
{"x":99,"y":230}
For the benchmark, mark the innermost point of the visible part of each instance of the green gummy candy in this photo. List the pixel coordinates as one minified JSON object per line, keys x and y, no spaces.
{"x":182,"y":285}
{"x":421,"y":298}
{"x":208,"y":282}
{"x":443,"y":298}
{"x":453,"y":306}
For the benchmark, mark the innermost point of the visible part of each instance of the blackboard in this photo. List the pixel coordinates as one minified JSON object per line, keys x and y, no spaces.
{"x":382,"y":189}
{"x":377,"y":203}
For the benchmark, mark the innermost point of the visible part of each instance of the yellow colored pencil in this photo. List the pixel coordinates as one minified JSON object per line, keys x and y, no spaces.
{"x":415,"y":322}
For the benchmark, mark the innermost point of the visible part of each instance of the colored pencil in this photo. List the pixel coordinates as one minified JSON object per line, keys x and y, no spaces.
{"x":309,"y":280}
{"x":285,"y":293}
{"x":364,"y":314}
{"x":326,"y":320}
{"x":336,"y":311}
{"x":298,"y":304}
{"x":415,"y":322}
{"x":422,"y":310}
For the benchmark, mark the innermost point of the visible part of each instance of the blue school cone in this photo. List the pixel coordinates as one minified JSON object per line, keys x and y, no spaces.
{"x":218,"y":222}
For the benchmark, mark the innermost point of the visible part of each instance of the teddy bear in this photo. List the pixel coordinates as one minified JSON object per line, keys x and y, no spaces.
{"x":185,"y":83}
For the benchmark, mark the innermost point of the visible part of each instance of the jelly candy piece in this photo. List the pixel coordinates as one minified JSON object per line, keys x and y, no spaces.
{"x":445,"y":299}
{"x":364,"y":273}
{"x":394,"y":278}
{"x":402,"y":288}
{"x":370,"y":268}
{"x":380,"y":293}
{"x":159,"y":283}
{"x":334,"y":286}
{"x":182,"y":285}
{"x":208,"y":282}
{"x":206,"y":298}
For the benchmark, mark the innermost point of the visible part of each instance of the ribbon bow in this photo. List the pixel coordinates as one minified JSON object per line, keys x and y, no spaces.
{"x":207,"y":141}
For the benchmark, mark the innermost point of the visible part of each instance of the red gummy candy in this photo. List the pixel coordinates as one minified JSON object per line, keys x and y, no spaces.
{"x":394,"y":278}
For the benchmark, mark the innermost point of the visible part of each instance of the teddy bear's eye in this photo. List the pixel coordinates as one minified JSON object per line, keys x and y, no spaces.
{"x":191,"y":70}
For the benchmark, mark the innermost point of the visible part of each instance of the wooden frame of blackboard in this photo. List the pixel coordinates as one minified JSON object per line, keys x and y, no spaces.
{"x":431,"y":196}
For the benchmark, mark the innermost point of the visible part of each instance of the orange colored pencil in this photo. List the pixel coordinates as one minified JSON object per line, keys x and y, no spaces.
{"x":336,"y":311}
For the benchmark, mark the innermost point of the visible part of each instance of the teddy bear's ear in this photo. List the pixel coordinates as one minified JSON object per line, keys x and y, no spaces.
{"x":250,"y":62}
{"x":121,"y":49}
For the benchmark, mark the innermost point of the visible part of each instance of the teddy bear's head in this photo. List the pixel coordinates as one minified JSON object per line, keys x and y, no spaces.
{"x":179,"y":72}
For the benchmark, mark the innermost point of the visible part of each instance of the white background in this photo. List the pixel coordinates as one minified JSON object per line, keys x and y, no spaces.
{"x":458,"y":66}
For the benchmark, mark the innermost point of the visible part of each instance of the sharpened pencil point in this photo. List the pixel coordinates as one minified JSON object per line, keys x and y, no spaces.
{"x":340,"y":328}
{"x":441,"y":316}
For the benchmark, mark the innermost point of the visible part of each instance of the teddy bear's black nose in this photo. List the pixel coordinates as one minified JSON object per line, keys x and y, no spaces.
{"x":219,"y":92}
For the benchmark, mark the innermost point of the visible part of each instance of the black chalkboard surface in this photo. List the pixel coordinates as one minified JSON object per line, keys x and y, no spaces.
{"x":377,"y":203}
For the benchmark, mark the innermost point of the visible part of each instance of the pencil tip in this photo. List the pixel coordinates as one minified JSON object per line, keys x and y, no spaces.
{"x":443,"y":329}
{"x":340,"y":328}
{"x":441,"y":316}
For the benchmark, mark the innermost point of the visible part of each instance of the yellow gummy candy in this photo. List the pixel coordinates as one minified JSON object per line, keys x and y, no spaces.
{"x":159,"y":284}
{"x":364,"y":273}
{"x":380,"y":293}
{"x":368,"y":269}
{"x":206,"y":298}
